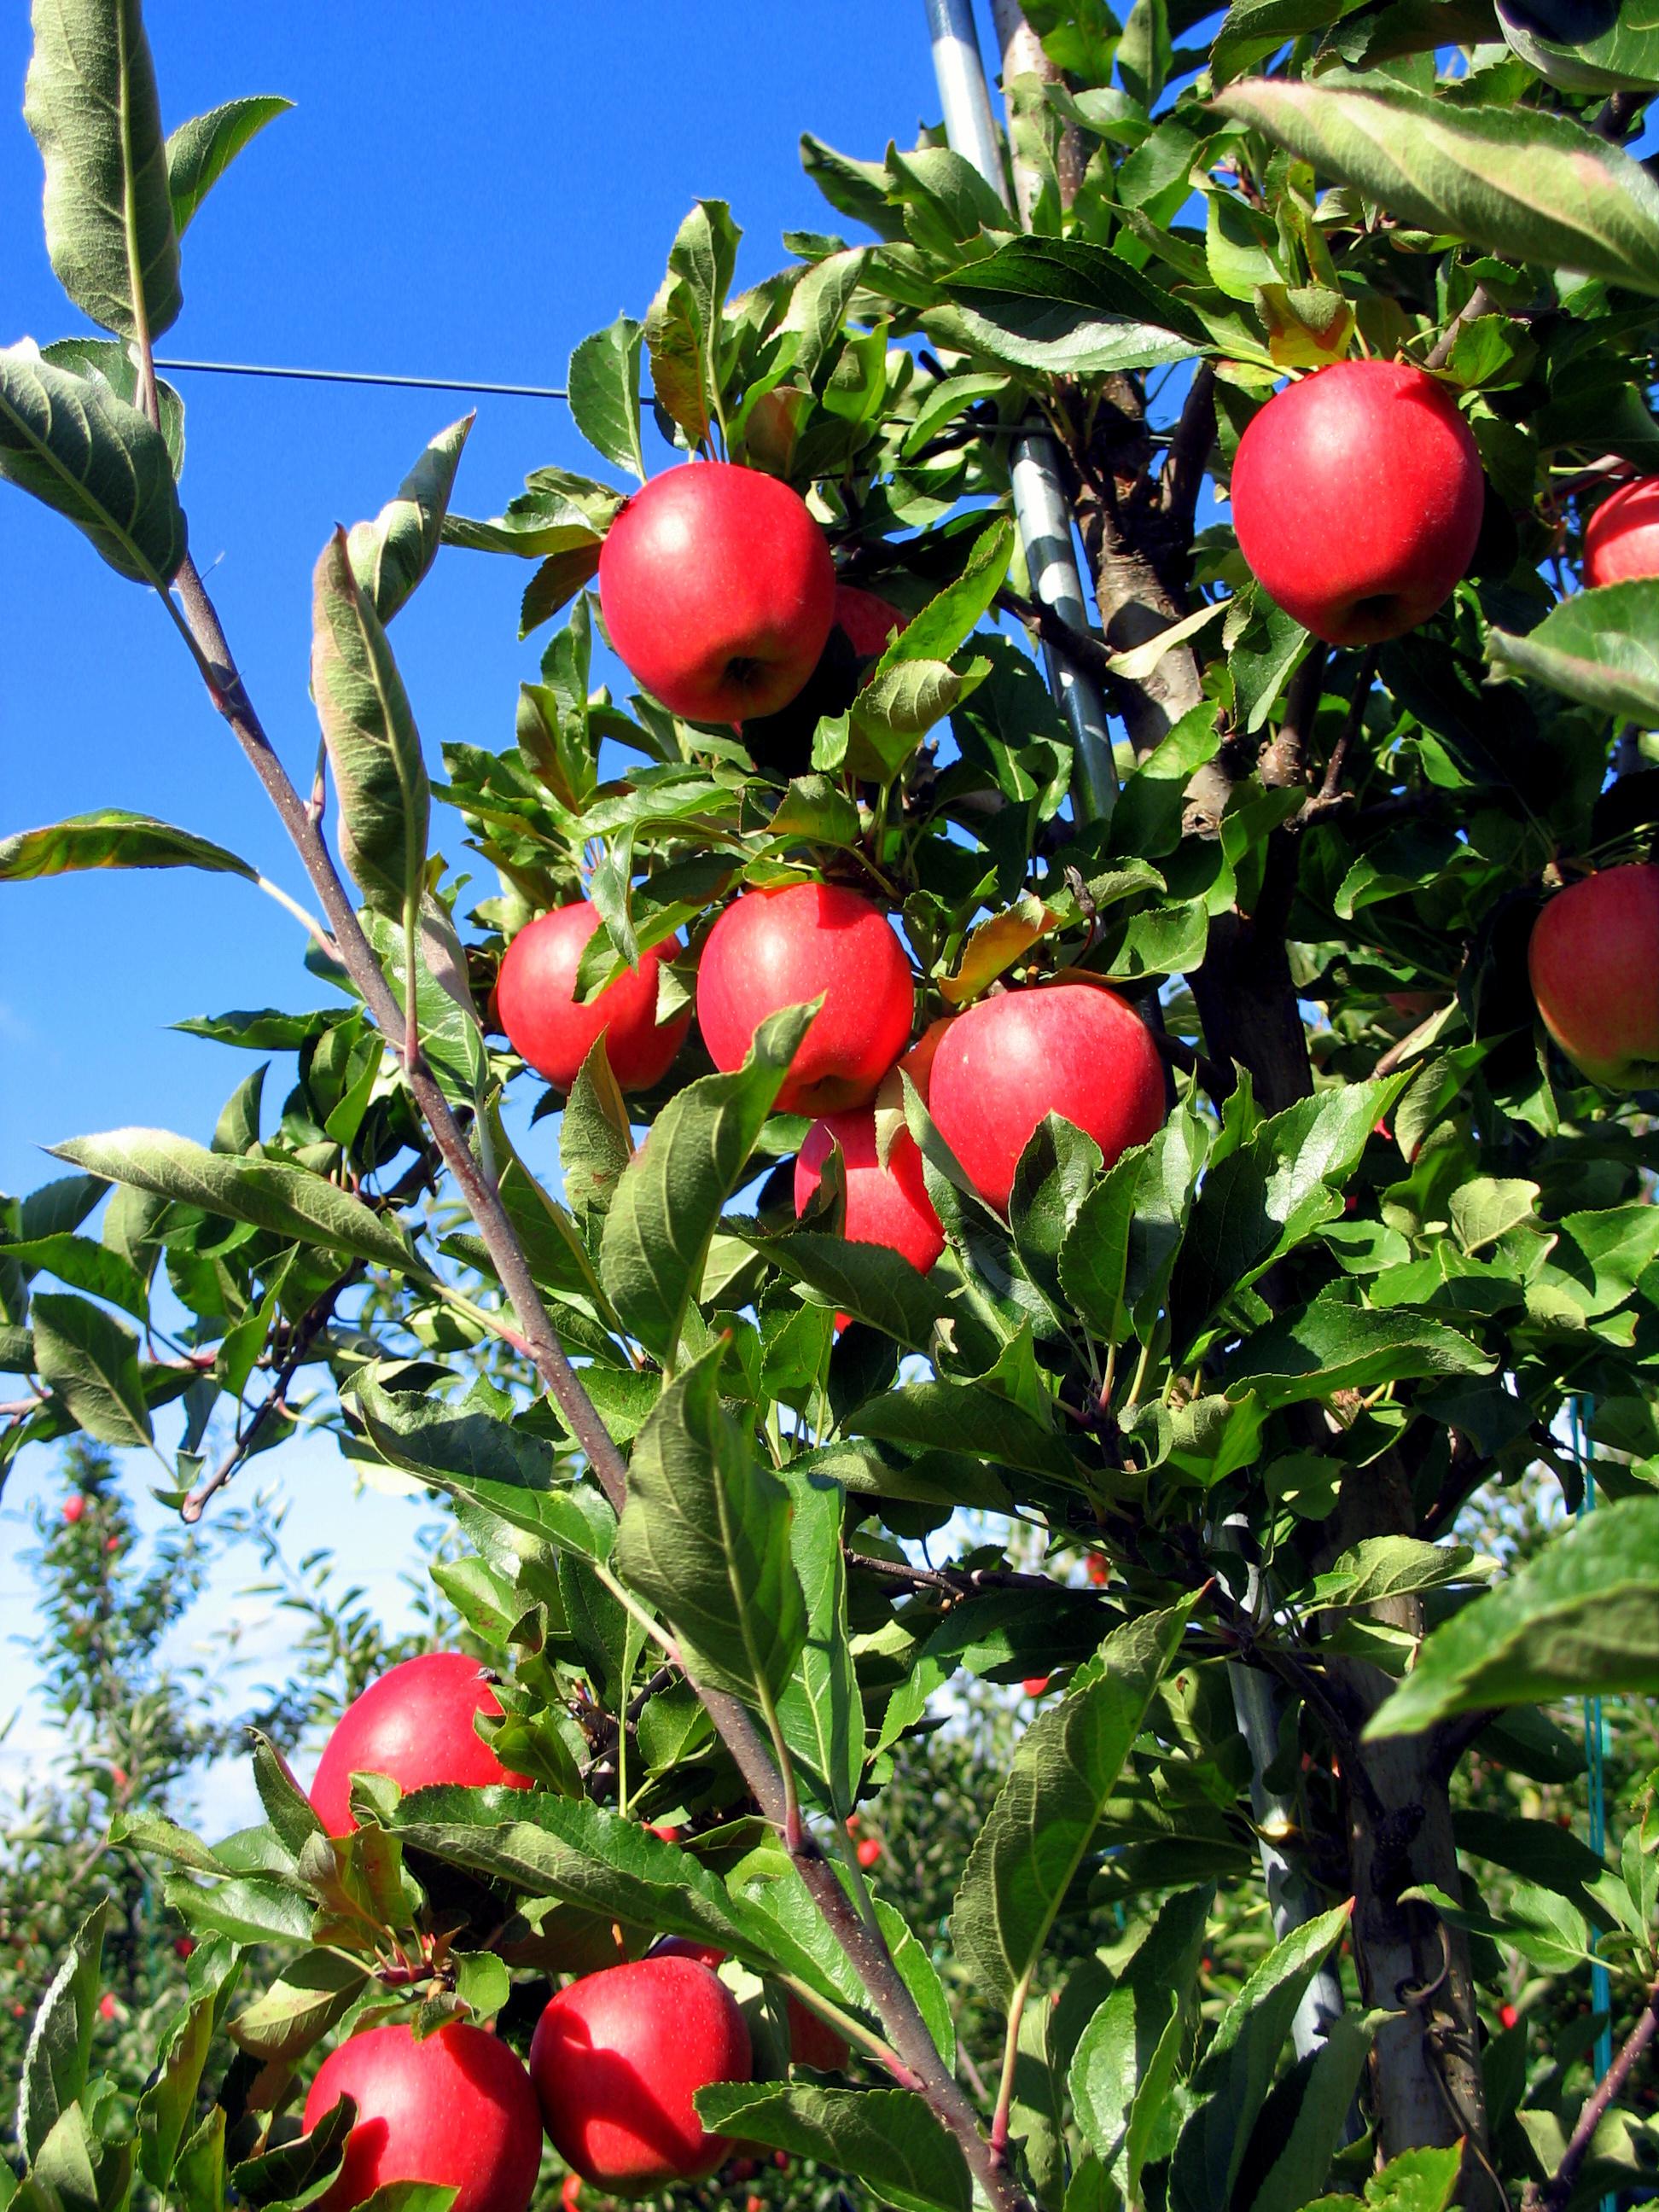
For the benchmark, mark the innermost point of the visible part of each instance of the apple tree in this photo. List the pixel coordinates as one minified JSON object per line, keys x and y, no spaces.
{"x":1287,"y":1199}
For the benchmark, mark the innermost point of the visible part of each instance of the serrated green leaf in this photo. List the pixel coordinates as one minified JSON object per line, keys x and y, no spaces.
{"x":1327,"y":1346}
{"x":91,"y":102}
{"x":200,"y":151}
{"x":604,"y":393}
{"x":1126,"y":2052}
{"x":820,"y":1710}
{"x":373,"y":746}
{"x":1066,"y":1767}
{"x":1582,"y":1617}
{"x":112,"y":838}
{"x":390,"y":556}
{"x":300,"y":2007}
{"x":72,"y":442}
{"x":889,"y":2139}
{"x":706,"y":1537}
{"x":91,"y":1363}
{"x":59,"y":2047}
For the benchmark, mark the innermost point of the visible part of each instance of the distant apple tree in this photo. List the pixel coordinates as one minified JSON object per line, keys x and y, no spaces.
{"x":1193,"y":1433}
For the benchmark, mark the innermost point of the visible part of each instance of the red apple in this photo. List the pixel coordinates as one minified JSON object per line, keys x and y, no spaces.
{"x":456,"y":2109}
{"x":1358,"y":496}
{"x":782,"y":948}
{"x":616,"y":2059}
{"x":414,"y":1724}
{"x":1621,"y":538}
{"x":812,"y":2041}
{"x":918,"y":1062}
{"x":1035,"y":1686}
{"x":869,"y":1851}
{"x":1593,"y":961}
{"x":1508,"y":2015}
{"x":687,"y":1947}
{"x":107,"y":2007}
{"x":1075,"y":1049}
{"x":718,"y":591}
{"x":73,"y":1510}
{"x":869,"y":624}
{"x":551,"y":1027}
{"x":886,"y":1205}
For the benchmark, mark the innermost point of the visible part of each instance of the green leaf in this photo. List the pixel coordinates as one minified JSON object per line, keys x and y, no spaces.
{"x":451,"y":1037}
{"x":668,"y":1201}
{"x":1065,"y":1768}
{"x":86,"y":1266}
{"x":288,"y":1200}
{"x":1416,"y":2181}
{"x":961,"y":1417}
{"x":59,"y":2047}
{"x":390,"y":556}
{"x":90,"y":100}
{"x":1302,"y":2121}
{"x":1599,"y":647}
{"x":1534,"y":186}
{"x":73,"y":443}
{"x":500,"y":1465}
{"x":1126,"y":2052}
{"x":682,"y":326}
{"x":200,"y":151}
{"x":1270,"y":1196}
{"x":1054,"y":339}
{"x":1581,"y":1618}
{"x":108,"y":358}
{"x":818,"y":810}
{"x":112,"y":838}
{"x":604,"y":393}
{"x":1117,"y":1260}
{"x":1236,"y":2072}
{"x":298,"y":2009}
{"x":1072,"y":271}
{"x":866,"y":1280}
{"x":167,"y":2107}
{"x":373,"y":746}
{"x":888,"y":2140}
{"x":596,"y":1138}
{"x":1326,"y":1346}
{"x":706,"y":1537}
{"x":820,"y":1710}
{"x":91,"y":1363}
{"x":198,"y":2173}
{"x":1255,"y":29}
{"x":1380,"y":1567}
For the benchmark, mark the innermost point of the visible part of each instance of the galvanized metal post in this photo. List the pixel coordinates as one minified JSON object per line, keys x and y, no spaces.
{"x":1039,"y":504}
{"x":1045,"y":526}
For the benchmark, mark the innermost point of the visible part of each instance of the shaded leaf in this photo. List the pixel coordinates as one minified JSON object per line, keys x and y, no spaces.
{"x":887,"y":2139}
{"x":390,"y":556}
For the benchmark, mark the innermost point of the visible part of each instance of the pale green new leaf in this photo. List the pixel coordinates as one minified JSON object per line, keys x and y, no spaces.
{"x":200,"y":151}
{"x":1042,"y":1824}
{"x":112,"y":838}
{"x":1582,"y":1617}
{"x":889,"y":2139}
{"x":389,"y":554}
{"x":89,"y":1361}
{"x":1599,"y":647}
{"x":1524,"y":182}
{"x":73,"y":443}
{"x":604,"y":393}
{"x":1126,"y":2053}
{"x":91,"y":102}
{"x":706,"y":1537}
{"x":1416,"y":2181}
{"x":373,"y":746}
{"x":270,"y":1194}
{"x":59,"y":2046}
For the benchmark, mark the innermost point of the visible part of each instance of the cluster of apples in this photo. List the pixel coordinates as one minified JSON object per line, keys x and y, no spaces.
{"x":1374,"y":563}
{"x":988,"y":1076}
{"x":616,"y":2058}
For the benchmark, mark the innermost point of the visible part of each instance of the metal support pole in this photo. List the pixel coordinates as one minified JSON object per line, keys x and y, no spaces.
{"x":1039,"y":503}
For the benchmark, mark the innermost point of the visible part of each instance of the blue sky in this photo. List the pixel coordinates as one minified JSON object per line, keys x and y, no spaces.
{"x":438,"y":203}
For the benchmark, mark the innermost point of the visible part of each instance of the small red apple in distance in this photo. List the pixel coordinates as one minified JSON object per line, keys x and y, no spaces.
{"x":617,"y":2057}
{"x":456,"y":2109}
{"x":1075,"y":1049}
{"x":718,"y":591}
{"x":1621,"y":538}
{"x":1357,"y":495}
{"x":107,"y":2007}
{"x":869,"y":1852}
{"x":886,"y":1205}
{"x":547,"y":1026}
{"x":1035,"y":1686}
{"x":1593,"y":961}
{"x":414,"y":1724}
{"x":772,"y":949}
{"x":74,"y":1508}
{"x":1507,"y":2015}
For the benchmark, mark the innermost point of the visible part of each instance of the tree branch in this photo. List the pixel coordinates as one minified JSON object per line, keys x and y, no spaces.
{"x":1555,"y":2192}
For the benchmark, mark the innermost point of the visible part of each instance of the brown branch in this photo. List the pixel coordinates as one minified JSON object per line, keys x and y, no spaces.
{"x":1085,"y":651}
{"x":1559,"y":2188}
{"x":1189,"y":451}
{"x":1479,"y":302}
{"x":1330,"y":797}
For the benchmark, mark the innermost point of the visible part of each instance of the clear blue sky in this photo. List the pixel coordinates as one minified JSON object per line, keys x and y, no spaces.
{"x":443,"y":201}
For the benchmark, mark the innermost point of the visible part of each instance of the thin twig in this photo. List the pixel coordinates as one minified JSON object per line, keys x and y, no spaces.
{"x":1479,"y":302}
{"x":1330,"y":795}
{"x":1559,"y":2188}
{"x":1189,"y":451}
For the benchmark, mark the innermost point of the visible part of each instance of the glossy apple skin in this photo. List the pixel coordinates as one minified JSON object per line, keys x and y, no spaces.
{"x":616,"y":2059}
{"x":781,"y":948}
{"x":871,"y":624}
{"x":718,"y":591}
{"x":886,"y":1205}
{"x":812,"y":2041}
{"x":1068,"y":1049}
{"x":455,"y":2109}
{"x":1621,"y":538}
{"x":1357,"y":495}
{"x":1593,"y":963}
{"x":547,"y":1026}
{"x":414,"y":1724}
